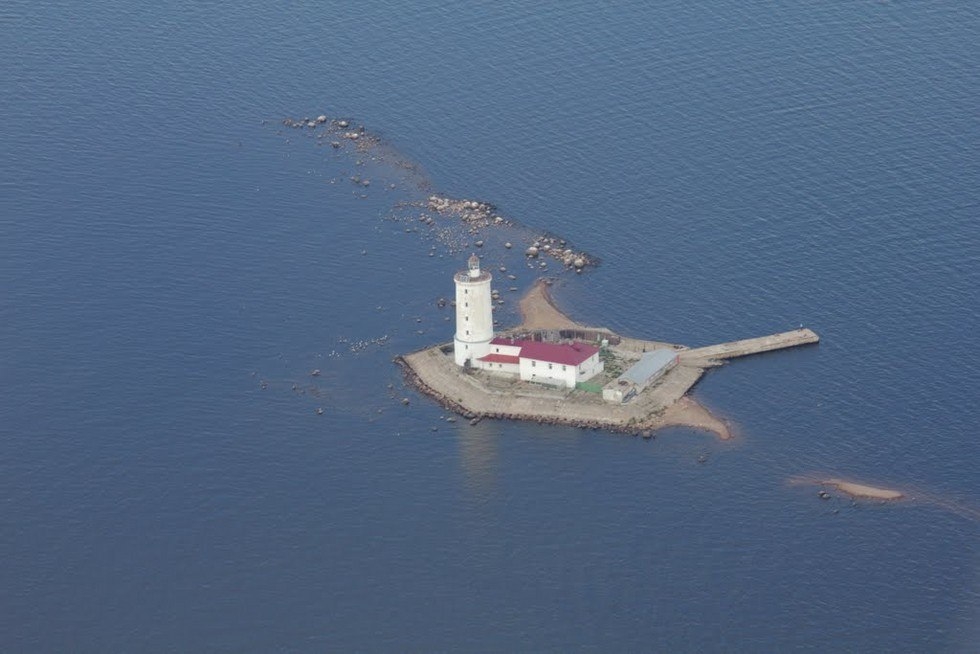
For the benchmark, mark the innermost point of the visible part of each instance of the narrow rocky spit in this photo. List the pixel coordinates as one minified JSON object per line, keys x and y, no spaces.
{"x":459,"y":224}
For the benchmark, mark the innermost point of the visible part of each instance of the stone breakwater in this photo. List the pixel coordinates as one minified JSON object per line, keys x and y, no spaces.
{"x":414,"y":380}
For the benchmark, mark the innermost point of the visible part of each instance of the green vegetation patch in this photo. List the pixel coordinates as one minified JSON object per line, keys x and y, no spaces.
{"x":591,"y":387}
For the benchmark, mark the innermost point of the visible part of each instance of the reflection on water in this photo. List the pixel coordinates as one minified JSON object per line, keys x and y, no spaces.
{"x":478,"y":455}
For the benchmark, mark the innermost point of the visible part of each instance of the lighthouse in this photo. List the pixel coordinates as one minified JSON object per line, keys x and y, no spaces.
{"x":474,"y":315}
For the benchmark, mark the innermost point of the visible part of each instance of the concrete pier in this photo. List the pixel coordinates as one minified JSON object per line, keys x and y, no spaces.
{"x":733,"y":349}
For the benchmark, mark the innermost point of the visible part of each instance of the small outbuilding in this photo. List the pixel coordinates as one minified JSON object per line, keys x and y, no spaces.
{"x":651,"y":367}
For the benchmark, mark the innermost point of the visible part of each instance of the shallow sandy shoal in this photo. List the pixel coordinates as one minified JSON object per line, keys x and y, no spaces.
{"x":862,"y":490}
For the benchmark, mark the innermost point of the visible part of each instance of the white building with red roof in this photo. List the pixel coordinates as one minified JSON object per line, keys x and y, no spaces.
{"x":556,"y":364}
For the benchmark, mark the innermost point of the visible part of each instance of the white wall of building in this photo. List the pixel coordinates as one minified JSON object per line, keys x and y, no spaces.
{"x":545,"y":372}
{"x":509,"y":369}
{"x":503,"y":348}
{"x":590,"y":368}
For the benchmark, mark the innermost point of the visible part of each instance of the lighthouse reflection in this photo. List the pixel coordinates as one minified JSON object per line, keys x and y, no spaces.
{"x":478,"y":455}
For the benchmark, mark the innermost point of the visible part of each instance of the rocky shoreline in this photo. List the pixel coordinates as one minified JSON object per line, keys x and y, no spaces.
{"x":413,"y":379}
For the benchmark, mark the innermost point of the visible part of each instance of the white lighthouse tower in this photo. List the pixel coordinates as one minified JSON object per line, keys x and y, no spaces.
{"x":474,"y":315}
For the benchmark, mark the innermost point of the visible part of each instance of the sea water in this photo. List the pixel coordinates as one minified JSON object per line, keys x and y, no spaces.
{"x":176,"y":264}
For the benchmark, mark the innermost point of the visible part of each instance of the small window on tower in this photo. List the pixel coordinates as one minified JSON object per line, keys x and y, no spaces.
{"x":466,"y":318}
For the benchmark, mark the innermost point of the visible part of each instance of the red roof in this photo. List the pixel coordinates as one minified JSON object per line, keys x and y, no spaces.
{"x":499,"y":358}
{"x":571,"y":355}
{"x":568,"y":354}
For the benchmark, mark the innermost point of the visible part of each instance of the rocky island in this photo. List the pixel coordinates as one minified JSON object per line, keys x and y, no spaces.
{"x":637,"y":386}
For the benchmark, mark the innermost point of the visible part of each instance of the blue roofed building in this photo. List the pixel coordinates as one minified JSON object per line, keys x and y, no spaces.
{"x":651,"y":367}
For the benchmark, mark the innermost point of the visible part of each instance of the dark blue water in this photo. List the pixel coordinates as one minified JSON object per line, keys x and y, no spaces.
{"x":173,"y":262}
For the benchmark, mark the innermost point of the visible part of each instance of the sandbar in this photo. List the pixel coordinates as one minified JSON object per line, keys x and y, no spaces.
{"x":863,"y":490}
{"x":852,"y":489}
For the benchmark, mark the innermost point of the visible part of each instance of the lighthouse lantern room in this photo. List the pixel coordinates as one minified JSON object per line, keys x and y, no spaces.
{"x":474,"y":313}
